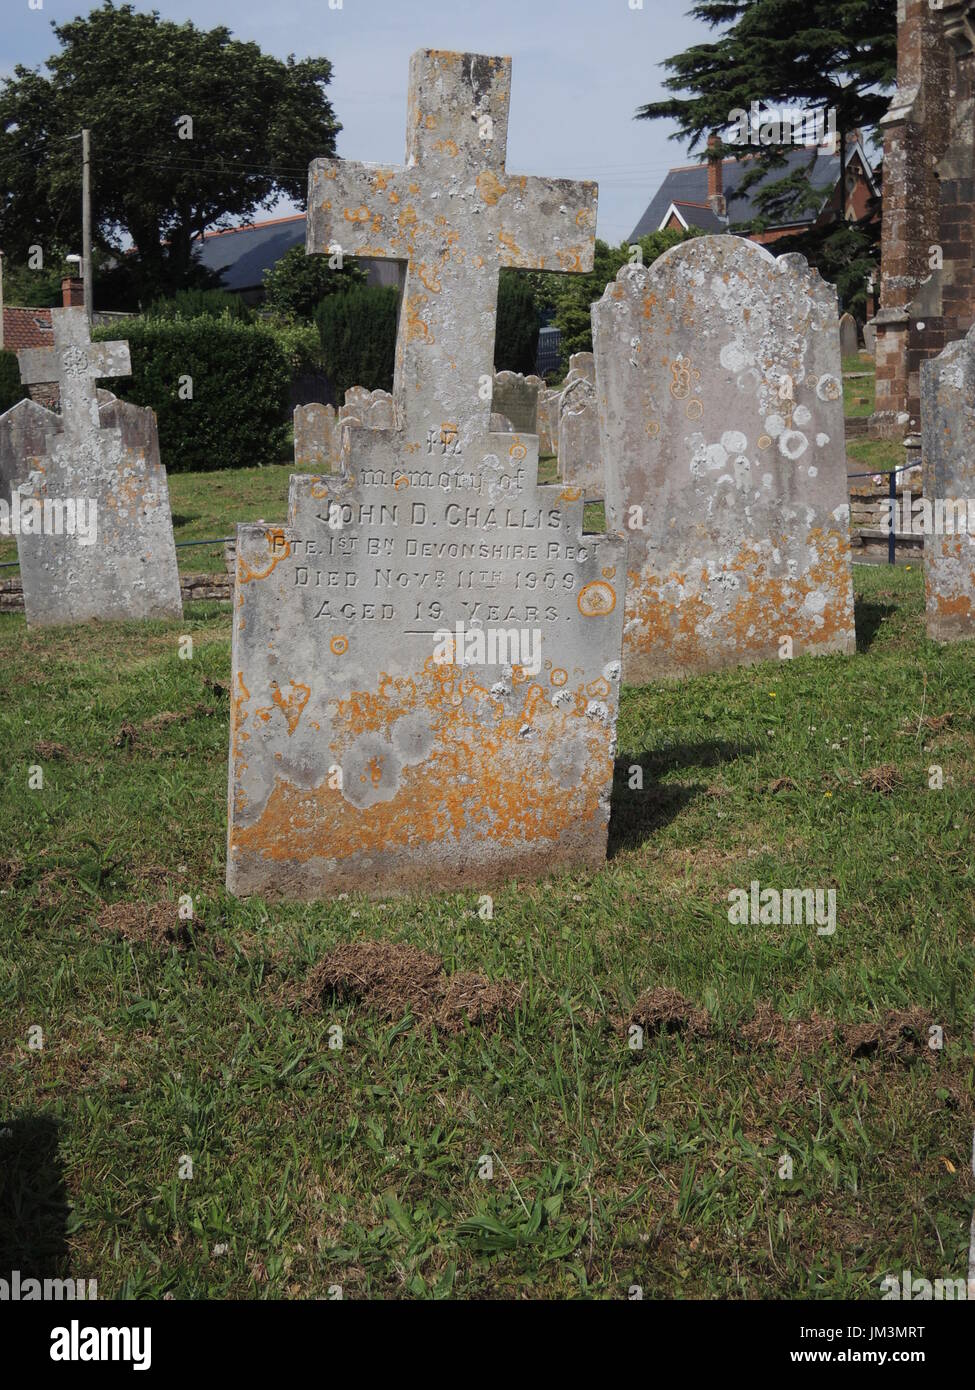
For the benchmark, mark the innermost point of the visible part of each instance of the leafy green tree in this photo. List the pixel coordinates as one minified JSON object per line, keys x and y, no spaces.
{"x":358,"y":336}
{"x":296,"y":286}
{"x":11,"y":390}
{"x":820,"y":55}
{"x":516,"y":333}
{"x":569,"y":297}
{"x":35,"y":289}
{"x":190,"y":128}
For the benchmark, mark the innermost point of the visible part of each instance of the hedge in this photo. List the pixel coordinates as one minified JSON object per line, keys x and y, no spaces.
{"x":11,"y":390}
{"x":240,"y":377}
{"x":358,"y":337}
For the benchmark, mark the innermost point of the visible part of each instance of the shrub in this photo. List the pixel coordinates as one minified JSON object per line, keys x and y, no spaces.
{"x":516,"y":336}
{"x":239,"y":378}
{"x":195,"y":304}
{"x":298,"y":283}
{"x":358,"y":337}
{"x":11,"y":390}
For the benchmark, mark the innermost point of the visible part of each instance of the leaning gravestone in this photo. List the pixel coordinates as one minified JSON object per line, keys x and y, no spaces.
{"x":948,"y":452}
{"x":426,"y":658}
{"x":96,"y":534}
{"x":849,"y":339}
{"x":516,"y":397}
{"x":721,"y":421}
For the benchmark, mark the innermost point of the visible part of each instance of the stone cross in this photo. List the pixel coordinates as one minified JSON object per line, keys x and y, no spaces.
{"x":426,"y":658}
{"x":455,"y":216}
{"x":75,"y":363}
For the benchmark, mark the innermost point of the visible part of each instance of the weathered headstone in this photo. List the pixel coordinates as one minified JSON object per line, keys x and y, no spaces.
{"x":362,"y":755}
{"x":516,"y":398}
{"x":948,"y":452}
{"x":316,"y":438}
{"x":870,"y":336}
{"x":721,"y":422}
{"x":581,"y":365}
{"x":849,"y":338}
{"x":548,"y":421}
{"x":24,"y":433}
{"x":579,"y":460}
{"x":95,"y":538}
{"x":372,"y":410}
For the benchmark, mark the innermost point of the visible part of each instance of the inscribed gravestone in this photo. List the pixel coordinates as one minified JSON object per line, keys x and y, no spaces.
{"x":103,"y":467}
{"x":849,"y":340}
{"x":721,"y":421}
{"x":362,"y":756}
{"x":948,"y":452}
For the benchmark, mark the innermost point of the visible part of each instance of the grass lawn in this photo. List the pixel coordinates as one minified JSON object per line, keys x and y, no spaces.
{"x":364,"y":1166}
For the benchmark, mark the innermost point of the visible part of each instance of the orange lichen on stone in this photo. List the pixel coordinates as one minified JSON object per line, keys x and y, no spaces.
{"x":280,"y":549}
{"x":479,"y":779}
{"x":292,"y":704}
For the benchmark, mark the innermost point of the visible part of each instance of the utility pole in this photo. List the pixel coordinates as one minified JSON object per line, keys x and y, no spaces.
{"x":1,"y":301}
{"x":86,"y":218}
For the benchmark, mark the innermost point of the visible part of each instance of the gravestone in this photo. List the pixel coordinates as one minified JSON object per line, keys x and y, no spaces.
{"x":316,"y":438}
{"x":870,"y":336}
{"x":948,"y":453}
{"x":849,"y":339}
{"x":548,"y":421}
{"x":371,"y":409}
{"x":581,"y":365}
{"x":721,"y":422}
{"x":375,"y":744}
{"x":24,"y":433}
{"x":578,"y":445}
{"x":102,"y":466}
{"x":516,"y":398}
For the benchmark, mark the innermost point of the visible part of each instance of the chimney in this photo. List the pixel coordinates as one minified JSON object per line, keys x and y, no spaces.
{"x":716,"y":198}
{"x":72,"y":292}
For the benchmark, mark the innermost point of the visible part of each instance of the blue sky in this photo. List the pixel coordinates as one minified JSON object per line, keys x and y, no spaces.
{"x":581,"y":68}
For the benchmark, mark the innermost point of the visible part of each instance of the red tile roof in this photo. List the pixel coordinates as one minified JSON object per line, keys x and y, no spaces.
{"x":27,"y":328}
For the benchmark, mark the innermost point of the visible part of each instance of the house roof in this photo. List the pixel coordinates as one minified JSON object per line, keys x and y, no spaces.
{"x":686,"y":189}
{"x":243,"y":254}
{"x":694,"y":215}
{"x":27,"y":328}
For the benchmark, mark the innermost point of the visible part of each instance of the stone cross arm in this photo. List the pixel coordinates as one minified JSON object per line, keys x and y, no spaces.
{"x":399,"y":213}
{"x":104,"y":360}
{"x":75,"y":363}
